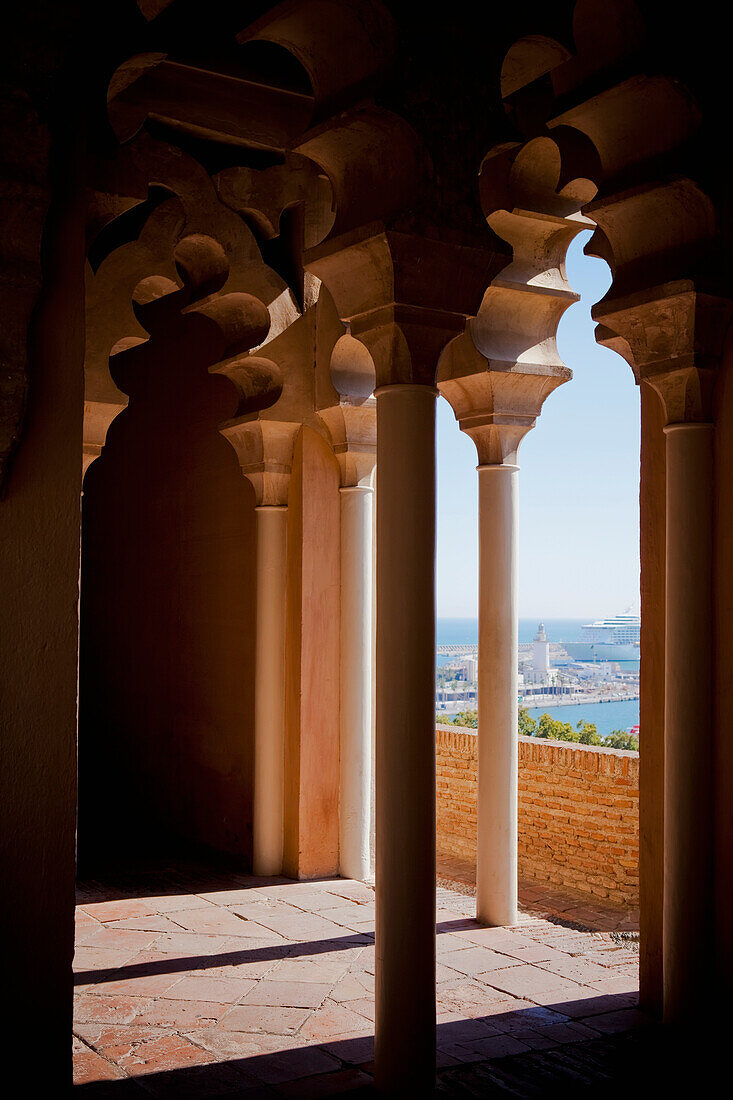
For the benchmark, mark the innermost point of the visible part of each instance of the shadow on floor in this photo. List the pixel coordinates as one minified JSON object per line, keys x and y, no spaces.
{"x":489,"y":1048}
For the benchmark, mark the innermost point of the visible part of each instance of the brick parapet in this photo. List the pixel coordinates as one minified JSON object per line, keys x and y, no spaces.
{"x":578,"y":811}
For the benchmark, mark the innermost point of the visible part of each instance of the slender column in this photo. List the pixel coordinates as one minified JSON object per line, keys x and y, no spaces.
{"x":356,"y":680}
{"x":496,"y":871}
{"x":269,"y":690}
{"x":688,"y":758}
{"x":405,"y":741}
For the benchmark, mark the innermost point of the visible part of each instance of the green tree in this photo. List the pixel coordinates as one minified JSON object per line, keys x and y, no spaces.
{"x":588,"y":732}
{"x":467,"y":718}
{"x":554,"y":730}
{"x":527,"y":724}
{"x":620,"y":739}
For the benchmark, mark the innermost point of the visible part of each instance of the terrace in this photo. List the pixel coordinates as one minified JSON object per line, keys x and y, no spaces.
{"x":190,"y":982}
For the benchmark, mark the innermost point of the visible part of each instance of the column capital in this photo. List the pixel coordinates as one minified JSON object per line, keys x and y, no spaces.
{"x":495,"y":403}
{"x":265,"y":452}
{"x":673,"y":337}
{"x":401,"y":295}
{"x":352,"y":429}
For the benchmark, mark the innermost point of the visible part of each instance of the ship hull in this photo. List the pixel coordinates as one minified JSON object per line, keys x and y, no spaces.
{"x":601,"y":651}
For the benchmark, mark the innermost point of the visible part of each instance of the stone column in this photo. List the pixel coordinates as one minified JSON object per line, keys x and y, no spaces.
{"x":267,"y":824}
{"x":496,"y":852}
{"x":688,"y":917}
{"x":496,"y":408}
{"x":356,"y":680}
{"x":405,"y":740}
{"x":352,"y":427}
{"x":265,"y":452}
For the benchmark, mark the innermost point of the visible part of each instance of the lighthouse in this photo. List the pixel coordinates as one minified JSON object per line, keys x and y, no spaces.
{"x":541,"y":652}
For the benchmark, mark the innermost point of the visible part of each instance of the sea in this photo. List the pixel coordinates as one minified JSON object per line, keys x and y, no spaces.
{"x":458,"y":631}
{"x":606,"y":716}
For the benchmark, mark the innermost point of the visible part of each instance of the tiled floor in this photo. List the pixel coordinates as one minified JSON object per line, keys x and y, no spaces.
{"x":190,"y":984}
{"x":583,"y":911}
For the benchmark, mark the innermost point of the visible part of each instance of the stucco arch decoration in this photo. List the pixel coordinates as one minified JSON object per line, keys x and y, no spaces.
{"x":327,"y":177}
{"x":610,"y":143}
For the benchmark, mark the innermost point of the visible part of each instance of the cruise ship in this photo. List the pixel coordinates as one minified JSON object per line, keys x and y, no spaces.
{"x":613,"y":639}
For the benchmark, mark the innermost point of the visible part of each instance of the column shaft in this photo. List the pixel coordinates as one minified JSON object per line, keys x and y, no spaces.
{"x":496,"y":872}
{"x":688,"y":757}
{"x":269,"y":691}
{"x":356,"y":681}
{"x":405,"y":741}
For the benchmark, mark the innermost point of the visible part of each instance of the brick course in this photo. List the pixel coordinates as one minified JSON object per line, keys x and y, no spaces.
{"x":578,"y":812}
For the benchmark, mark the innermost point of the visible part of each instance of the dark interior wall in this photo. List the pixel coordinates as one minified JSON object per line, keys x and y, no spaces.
{"x":39,"y":573}
{"x":167,"y":622}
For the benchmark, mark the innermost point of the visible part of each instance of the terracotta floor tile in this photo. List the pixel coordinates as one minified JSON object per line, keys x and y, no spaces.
{"x":181,"y":1015}
{"x":329,"y":1084}
{"x":118,"y":939}
{"x":193,"y":945}
{"x":118,"y":910}
{"x":252,"y":985}
{"x":576,"y":969}
{"x":355,"y":891}
{"x":334,"y":1020}
{"x":617,"y":984}
{"x":355,"y":1052}
{"x":498,"y":1046}
{"x":364,"y":1006}
{"x":300,"y":926}
{"x":524,"y":980}
{"x":89,"y":959}
{"x":277,"y":994}
{"x":243,"y":896}
{"x":310,"y":969}
{"x":153,"y":923}
{"x":226,"y":991}
{"x":156,"y":1053}
{"x":125,"y":983}
{"x":289,"y":1065}
{"x":355,"y":917}
{"x":475,"y":960}
{"x":353,"y":986}
{"x":172,"y":903}
{"x":108,"y":1008}
{"x":90,"y":1066}
{"x":212,"y":920}
{"x":626,"y":1019}
{"x":257,"y":1018}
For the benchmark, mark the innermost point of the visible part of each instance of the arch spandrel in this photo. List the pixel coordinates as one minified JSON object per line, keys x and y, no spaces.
{"x":617,"y":128}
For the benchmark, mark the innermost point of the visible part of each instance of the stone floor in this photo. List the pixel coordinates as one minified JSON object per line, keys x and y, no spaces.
{"x":582,"y":911}
{"x":192,"y":984}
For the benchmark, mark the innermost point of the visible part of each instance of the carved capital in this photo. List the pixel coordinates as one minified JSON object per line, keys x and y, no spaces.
{"x":497,"y":404}
{"x":673,"y":338}
{"x":265,"y":452}
{"x":352,"y":429}
{"x":403,"y":297}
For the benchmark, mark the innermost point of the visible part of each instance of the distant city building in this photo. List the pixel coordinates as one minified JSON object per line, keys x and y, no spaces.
{"x":541,"y":651}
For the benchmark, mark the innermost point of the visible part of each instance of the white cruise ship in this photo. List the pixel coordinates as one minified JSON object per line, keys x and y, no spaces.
{"x":613,"y":639}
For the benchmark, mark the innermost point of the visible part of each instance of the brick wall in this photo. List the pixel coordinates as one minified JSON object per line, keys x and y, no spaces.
{"x":578,"y":812}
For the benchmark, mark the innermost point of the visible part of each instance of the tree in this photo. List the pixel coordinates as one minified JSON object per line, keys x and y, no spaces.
{"x":588,"y":733}
{"x":527,"y":724}
{"x":554,"y":730}
{"x":620,"y":739}
{"x":467,"y":718}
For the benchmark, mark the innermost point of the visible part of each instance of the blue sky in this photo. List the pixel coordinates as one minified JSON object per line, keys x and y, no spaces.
{"x":579,"y":482}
